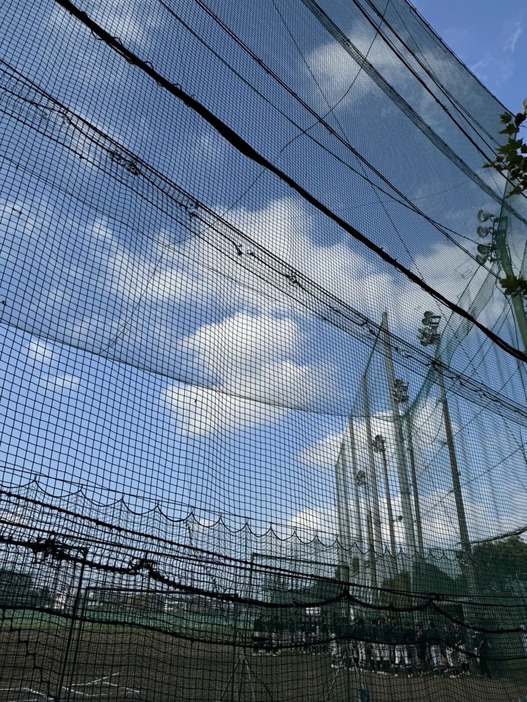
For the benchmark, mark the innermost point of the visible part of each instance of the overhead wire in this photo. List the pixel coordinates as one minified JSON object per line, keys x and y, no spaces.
{"x":401,"y":198}
{"x":331,"y":109}
{"x":403,"y":104}
{"x":297,"y":282}
{"x":431,"y":75}
{"x":254,"y":155}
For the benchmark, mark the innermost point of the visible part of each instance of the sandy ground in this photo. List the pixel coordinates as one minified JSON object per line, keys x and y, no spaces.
{"x":146,"y":666}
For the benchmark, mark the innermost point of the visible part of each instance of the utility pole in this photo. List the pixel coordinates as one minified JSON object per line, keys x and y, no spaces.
{"x":406,"y":499}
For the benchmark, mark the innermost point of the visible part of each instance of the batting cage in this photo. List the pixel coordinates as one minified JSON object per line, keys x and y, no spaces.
{"x":263,"y":358}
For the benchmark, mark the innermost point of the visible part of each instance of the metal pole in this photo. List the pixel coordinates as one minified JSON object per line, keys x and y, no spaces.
{"x":456,"y":482}
{"x":371,"y":550}
{"x":358,"y":509}
{"x":71,"y":630}
{"x":406,"y":500}
{"x":380,"y":447}
{"x":415,"y":489}
{"x":468,"y":566}
{"x":429,"y":336}
{"x":374,"y":512}
{"x":500,"y":244}
{"x":342,"y":497}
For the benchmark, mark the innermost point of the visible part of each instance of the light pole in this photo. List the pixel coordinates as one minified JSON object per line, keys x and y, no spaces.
{"x":404,"y":487}
{"x":379,"y":446}
{"x":498,"y":251}
{"x":400,"y":391}
{"x":429,"y":336}
{"x":373,"y":520}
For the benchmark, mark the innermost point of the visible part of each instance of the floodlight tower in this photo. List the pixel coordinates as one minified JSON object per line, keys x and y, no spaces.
{"x":498,"y":251}
{"x":404,"y":486}
{"x":429,"y":336}
{"x":379,"y":446}
{"x":401,"y":396}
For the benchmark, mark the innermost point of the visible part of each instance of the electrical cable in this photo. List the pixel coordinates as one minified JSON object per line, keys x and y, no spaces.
{"x":250,"y":152}
{"x":400,"y":199}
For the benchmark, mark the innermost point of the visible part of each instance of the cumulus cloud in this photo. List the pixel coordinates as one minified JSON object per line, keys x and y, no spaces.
{"x":285,"y":228}
{"x":200,"y":411}
{"x":45,"y":374}
{"x":61,"y":382}
{"x":251,"y":363}
{"x":324,"y":453}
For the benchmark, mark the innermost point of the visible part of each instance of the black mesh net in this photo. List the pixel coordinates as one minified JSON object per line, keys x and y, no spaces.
{"x":263,"y":395}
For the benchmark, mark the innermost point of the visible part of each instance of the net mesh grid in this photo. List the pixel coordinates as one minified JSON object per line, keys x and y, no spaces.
{"x":229,"y":469}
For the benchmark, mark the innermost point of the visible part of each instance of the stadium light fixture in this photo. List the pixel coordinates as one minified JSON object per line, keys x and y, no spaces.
{"x":379,"y":444}
{"x":499,"y":255}
{"x":483,"y":231}
{"x":429,"y":335}
{"x":484,"y":216}
{"x":400,"y":391}
{"x":485,"y":249}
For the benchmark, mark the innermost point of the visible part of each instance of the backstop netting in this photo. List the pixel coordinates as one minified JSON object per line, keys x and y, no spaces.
{"x":263,"y":394}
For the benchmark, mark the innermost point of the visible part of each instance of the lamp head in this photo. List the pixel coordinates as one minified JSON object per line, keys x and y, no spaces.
{"x":430,"y":319}
{"x":484,"y":250}
{"x":484,"y":216}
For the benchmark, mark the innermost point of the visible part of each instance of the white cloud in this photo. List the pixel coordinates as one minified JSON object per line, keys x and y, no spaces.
{"x":241,"y":344}
{"x":512,"y":35}
{"x":314,"y":522}
{"x":199,"y":411}
{"x":61,"y":382}
{"x":324,"y":453}
{"x":493,"y":71}
{"x":251,"y":356}
{"x":285,"y":228}
{"x":151,"y":278}
{"x":40,"y":351}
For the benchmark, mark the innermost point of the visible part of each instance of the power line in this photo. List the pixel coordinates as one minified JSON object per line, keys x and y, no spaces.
{"x":250,"y":152}
{"x":400,"y":197}
{"x":231,"y":242}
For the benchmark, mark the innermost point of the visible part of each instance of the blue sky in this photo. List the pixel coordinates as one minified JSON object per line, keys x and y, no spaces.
{"x":140,"y":359}
{"x":490,"y":37}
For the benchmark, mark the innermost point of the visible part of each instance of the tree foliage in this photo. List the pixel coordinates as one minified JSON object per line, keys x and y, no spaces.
{"x":17,"y":590}
{"x":511,"y":158}
{"x":500,"y":563}
{"x":513,"y":285}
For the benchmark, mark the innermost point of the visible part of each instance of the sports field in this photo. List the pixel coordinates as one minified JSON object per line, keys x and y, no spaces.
{"x":154,"y":667}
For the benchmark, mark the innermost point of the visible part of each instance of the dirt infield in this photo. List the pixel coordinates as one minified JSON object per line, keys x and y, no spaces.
{"x":146,"y":666}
